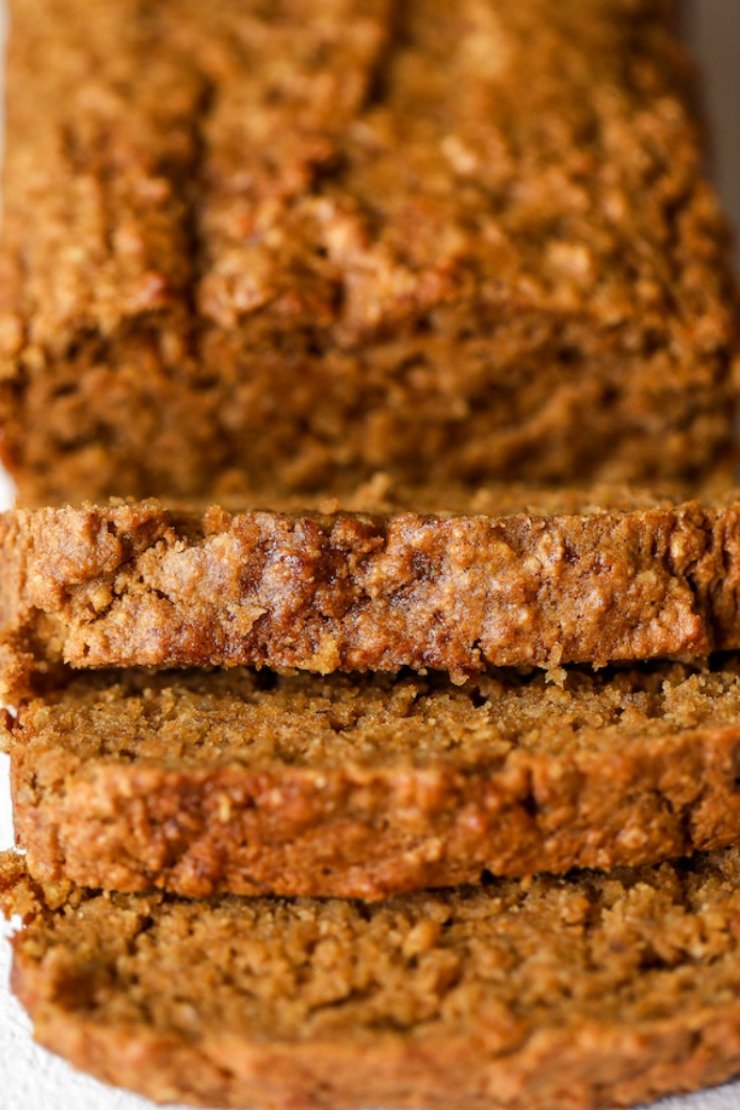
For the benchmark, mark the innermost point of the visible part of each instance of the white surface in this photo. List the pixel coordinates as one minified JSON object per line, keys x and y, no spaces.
{"x":31,"y":1079}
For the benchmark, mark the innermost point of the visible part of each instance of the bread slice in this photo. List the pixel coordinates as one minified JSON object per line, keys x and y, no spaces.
{"x":446,"y":579}
{"x":300,"y":785}
{"x":591,"y":991}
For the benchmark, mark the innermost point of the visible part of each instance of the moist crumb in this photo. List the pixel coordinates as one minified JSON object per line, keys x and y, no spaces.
{"x":587,"y":991}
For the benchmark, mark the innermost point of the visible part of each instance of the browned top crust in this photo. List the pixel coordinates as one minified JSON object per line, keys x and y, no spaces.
{"x":437,"y":269}
{"x":363,"y":786}
{"x":415,"y":108}
{"x":593,"y":991}
{"x":568,"y":580}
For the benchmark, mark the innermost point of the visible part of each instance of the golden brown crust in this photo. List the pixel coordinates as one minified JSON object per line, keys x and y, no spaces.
{"x":584,"y":993}
{"x":141,"y":584}
{"x":363,"y":788}
{"x":144,"y":585}
{"x":437,"y":270}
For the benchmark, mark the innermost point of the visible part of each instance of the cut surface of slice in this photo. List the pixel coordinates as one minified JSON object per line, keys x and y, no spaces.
{"x":360,"y":787}
{"x":449,"y":579}
{"x":585,"y":992}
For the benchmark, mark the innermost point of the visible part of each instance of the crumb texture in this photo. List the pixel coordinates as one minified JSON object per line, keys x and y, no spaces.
{"x":583,"y":992}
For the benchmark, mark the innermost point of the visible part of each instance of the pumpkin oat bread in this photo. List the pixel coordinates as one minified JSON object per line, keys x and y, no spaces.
{"x":440,"y":270}
{"x":446,"y":579}
{"x":589,"y":992}
{"x":363,"y":787}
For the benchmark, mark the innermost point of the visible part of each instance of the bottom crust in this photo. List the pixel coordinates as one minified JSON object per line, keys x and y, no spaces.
{"x":603,"y":1068}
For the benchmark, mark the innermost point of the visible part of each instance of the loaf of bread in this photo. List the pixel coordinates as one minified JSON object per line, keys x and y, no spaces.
{"x":379,"y":261}
{"x":438,"y":579}
{"x":308,"y":240}
{"x":300,"y":785}
{"x":587,"y":992}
